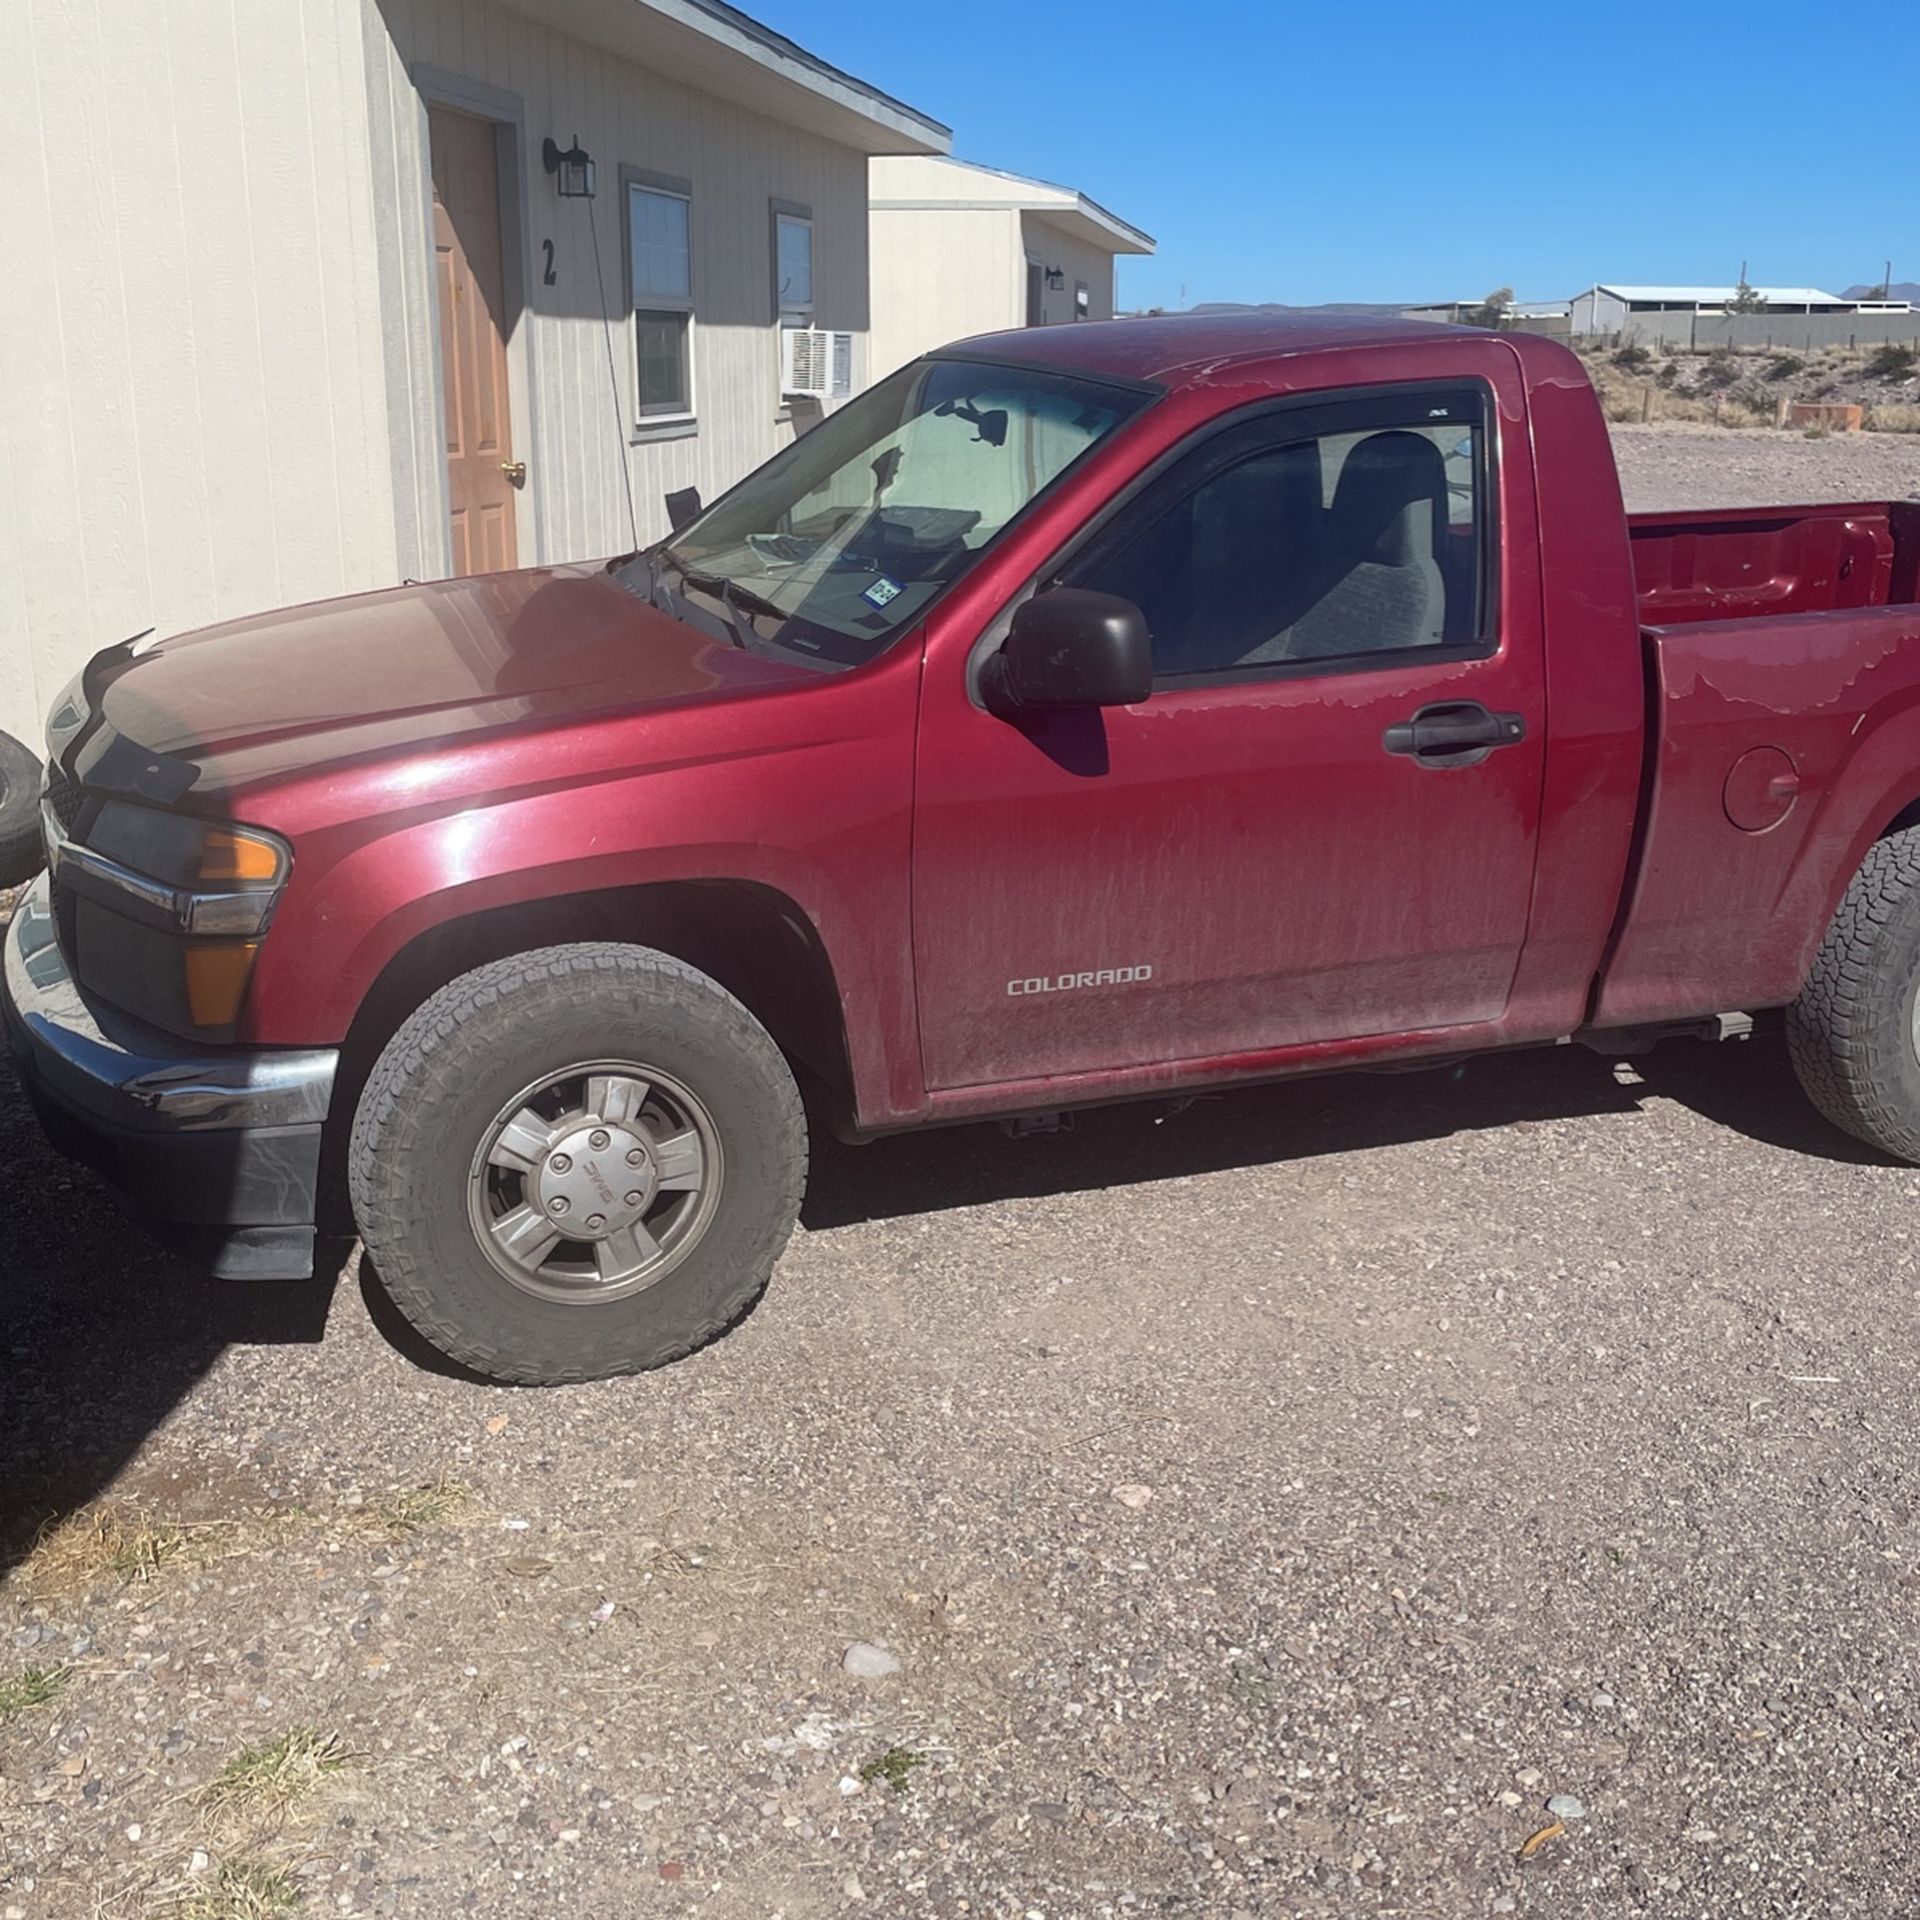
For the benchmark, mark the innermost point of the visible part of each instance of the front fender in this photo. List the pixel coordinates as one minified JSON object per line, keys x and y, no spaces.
{"x":825,"y":824}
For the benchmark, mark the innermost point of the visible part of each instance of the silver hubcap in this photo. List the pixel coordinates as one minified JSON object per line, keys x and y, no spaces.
{"x":595,"y":1182}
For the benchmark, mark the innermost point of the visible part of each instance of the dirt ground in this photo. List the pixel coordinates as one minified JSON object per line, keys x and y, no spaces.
{"x":1278,"y":1508}
{"x":1748,"y":386}
{"x":1679,"y":465}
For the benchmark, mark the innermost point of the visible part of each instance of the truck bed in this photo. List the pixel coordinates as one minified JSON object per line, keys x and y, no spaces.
{"x":1742,"y":563}
{"x":1782,"y":647}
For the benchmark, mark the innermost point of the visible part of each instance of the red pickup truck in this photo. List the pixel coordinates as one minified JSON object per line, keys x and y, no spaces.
{"x":1081,"y":714}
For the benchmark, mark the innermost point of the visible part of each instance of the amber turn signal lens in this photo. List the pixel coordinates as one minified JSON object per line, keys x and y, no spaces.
{"x":229,"y":859}
{"x":217,"y":981}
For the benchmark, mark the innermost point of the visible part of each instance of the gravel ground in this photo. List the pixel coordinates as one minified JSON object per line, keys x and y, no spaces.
{"x":1271,"y":1510}
{"x":1678,"y":465}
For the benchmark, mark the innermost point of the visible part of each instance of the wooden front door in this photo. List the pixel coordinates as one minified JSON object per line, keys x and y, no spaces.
{"x":473,"y":341}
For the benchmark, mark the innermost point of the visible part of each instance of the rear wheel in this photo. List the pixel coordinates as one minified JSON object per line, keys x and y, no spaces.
{"x":577,"y":1162}
{"x":20,"y":851}
{"x":1854,"y":1032}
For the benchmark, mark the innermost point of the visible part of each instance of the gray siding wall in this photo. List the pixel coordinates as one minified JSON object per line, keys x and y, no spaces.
{"x":574,"y":412}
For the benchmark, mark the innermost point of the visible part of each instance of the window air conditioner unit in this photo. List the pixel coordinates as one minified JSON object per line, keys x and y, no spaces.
{"x":816,"y":361}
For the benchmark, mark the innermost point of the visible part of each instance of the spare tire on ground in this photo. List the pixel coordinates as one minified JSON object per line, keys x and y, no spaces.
{"x":20,"y":854}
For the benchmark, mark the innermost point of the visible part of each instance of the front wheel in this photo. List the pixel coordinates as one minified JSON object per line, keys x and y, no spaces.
{"x":19,"y":813}
{"x":1854,"y":1032}
{"x":577,"y":1162}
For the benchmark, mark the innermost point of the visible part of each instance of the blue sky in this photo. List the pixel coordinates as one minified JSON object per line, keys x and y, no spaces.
{"x":1395,"y":151}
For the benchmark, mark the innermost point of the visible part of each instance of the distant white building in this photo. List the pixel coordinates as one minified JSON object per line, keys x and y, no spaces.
{"x":1607,"y":308}
{"x":957,"y":249}
{"x":1466,"y":312}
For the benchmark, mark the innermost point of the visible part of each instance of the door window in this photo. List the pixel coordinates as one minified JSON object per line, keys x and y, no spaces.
{"x":1341,"y":532}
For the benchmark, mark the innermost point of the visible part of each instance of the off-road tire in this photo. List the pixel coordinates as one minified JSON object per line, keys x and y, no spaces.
{"x":440,"y":1081}
{"x":1851,"y":1032}
{"x":20,"y":850}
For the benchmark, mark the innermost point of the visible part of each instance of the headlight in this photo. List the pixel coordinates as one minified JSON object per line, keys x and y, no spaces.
{"x":216,"y":885}
{"x":227,"y":877}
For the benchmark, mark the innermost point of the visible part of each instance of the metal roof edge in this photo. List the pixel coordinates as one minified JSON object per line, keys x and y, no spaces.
{"x":726,"y":25}
{"x":1058,"y":200}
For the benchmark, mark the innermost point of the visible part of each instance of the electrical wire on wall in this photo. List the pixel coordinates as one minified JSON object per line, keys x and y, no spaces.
{"x":613,"y":378}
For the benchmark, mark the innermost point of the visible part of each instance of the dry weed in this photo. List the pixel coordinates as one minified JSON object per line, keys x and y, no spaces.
{"x":264,"y":1783}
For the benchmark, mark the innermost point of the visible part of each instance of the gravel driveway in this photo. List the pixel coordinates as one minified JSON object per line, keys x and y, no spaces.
{"x":1304,"y":1504}
{"x":1677,"y":465}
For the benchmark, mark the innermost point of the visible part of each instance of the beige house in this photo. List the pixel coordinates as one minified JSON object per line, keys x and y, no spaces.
{"x":307,"y":299}
{"x":960,"y":249}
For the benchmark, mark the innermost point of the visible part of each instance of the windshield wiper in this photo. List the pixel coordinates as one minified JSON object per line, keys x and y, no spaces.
{"x":721,"y":588}
{"x":738,"y":595}
{"x":639,"y":574}
{"x":738,"y":601}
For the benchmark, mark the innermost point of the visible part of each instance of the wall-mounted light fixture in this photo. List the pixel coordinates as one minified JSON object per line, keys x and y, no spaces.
{"x":1056,"y":279}
{"x":572,"y":170}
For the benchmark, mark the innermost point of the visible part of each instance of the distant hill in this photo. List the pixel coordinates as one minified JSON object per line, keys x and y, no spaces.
{"x":1899,"y":290}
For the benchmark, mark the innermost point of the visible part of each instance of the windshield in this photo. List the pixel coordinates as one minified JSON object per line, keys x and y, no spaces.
{"x":839,"y":542}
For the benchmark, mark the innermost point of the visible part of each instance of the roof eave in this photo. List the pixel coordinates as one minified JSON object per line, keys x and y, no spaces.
{"x":1086,"y":220}
{"x":994,"y":190}
{"x":722,"y":51}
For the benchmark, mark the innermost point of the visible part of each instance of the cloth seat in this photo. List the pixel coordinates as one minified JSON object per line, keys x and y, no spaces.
{"x":1382,"y":588}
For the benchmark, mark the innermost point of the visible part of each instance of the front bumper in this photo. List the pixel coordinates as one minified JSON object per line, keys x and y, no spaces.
{"x":221,"y":1149}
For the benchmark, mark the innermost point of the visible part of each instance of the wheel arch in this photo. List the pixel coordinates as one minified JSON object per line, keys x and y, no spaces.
{"x":756,"y":941}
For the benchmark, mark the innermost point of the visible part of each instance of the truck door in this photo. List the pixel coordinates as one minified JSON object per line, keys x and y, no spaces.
{"x":1320,"y":826}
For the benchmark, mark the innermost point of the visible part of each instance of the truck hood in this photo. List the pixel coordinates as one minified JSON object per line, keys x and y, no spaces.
{"x":257,"y":700}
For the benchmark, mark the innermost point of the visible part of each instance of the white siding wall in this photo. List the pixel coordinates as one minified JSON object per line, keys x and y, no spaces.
{"x":574,"y":435}
{"x":941,"y":275}
{"x":191,"y":414}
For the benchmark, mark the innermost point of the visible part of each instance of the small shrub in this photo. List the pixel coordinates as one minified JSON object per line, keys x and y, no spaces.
{"x":1669,"y":375}
{"x":1893,"y":362}
{"x":1720,"y":372}
{"x":1783,"y":366}
{"x":1633,"y":358}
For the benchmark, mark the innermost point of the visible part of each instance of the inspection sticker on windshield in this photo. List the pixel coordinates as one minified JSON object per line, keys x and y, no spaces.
{"x":882,"y":591}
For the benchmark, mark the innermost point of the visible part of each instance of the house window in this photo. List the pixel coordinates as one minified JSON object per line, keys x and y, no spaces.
{"x":660,"y":287}
{"x":793,"y":264}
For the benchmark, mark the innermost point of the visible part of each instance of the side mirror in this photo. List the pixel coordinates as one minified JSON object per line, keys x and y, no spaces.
{"x":1072,"y":648}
